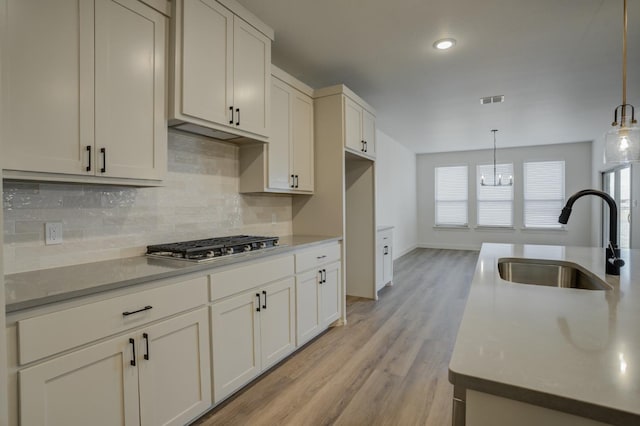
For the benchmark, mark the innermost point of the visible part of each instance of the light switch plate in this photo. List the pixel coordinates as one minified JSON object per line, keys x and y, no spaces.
{"x":53,"y":233}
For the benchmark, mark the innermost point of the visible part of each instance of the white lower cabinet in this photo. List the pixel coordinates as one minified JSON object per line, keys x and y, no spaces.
{"x":384,"y":257}
{"x":330,"y":294}
{"x":318,"y":291}
{"x":308,"y":306}
{"x":251,"y":332}
{"x":64,"y":391}
{"x":318,"y":301}
{"x":236,"y":343}
{"x":158,"y":375}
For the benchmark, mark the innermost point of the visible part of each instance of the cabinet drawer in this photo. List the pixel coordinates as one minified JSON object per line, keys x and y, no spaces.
{"x":49,"y":334}
{"x":385,"y":237}
{"x":249,"y":275}
{"x":317,"y":256}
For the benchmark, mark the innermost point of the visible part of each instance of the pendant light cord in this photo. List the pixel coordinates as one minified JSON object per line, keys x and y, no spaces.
{"x":494,"y":154}
{"x":624,"y":65}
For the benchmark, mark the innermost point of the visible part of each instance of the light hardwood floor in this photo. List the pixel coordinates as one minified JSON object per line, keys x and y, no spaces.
{"x":387,"y":366}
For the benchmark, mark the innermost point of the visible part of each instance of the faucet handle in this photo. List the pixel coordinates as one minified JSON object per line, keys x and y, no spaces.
{"x":614,"y":259}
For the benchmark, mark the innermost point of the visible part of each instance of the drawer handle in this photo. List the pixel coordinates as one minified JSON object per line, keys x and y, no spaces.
{"x":145,"y":336}
{"x":133,"y":348}
{"x":265,"y":300}
{"x":321,"y":257}
{"x":146,"y":308}
{"x":258,"y":296}
{"x":231,"y":109}
{"x":238,"y":119}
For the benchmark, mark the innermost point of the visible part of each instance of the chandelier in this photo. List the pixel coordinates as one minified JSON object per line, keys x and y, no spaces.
{"x":497,"y":178}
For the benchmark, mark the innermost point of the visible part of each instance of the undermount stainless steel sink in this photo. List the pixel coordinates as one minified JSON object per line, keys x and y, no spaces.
{"x":552,"y":273}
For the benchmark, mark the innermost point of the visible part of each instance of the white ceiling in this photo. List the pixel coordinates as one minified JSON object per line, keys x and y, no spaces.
{"x":557,"y":62}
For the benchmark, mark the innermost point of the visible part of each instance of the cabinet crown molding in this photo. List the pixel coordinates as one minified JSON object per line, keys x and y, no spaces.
{"x":344,"y":90}
{"x":291,"y":81}
{"x":249,"y":17}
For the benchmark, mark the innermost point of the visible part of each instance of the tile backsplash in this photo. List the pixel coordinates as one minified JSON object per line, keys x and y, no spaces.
{"x":199,"y":199}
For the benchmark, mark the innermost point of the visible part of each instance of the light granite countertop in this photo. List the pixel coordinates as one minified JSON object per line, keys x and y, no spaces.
{"x":572,"y":350}
{"x":38,"y":288}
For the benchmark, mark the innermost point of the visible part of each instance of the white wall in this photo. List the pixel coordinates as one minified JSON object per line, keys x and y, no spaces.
{"x":396,"y":192}
{"x":578,"y":175}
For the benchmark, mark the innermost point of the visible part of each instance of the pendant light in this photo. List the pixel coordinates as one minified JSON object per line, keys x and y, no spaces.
{"x":497,"y":178}
{"x":622,"y":142}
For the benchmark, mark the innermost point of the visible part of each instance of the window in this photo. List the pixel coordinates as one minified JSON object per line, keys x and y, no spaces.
{"x":495,"y":203}
{"x":451,"y":196}
{"x":543,"y":193}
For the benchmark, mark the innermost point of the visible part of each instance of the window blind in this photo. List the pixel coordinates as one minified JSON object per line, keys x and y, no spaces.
{"x":451,"y":195}
{"x":495,"y":203}
{"x":543,"y":193}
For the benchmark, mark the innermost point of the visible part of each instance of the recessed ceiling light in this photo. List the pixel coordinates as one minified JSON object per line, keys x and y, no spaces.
{"x":444,"y":43}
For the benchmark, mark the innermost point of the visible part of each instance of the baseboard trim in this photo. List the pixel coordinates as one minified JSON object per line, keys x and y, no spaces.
{"x":473,"y":247}
{"x":405,"y":251}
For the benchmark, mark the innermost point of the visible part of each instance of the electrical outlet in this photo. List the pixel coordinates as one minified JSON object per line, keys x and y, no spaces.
{"x":53,"y":233}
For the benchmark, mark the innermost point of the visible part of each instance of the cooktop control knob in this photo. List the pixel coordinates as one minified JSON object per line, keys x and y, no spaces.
{"x":263,"y":245}
{"x":210,"y":254}
{"x":247,"y":247}
{"x":230,"y":250}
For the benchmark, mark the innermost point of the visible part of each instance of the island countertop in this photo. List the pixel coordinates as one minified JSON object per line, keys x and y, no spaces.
{"x":572,"y":350}
{"x":37,"y":288}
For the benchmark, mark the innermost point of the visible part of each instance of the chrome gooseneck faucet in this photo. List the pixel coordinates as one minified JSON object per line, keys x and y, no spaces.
{"x":613,"y":262}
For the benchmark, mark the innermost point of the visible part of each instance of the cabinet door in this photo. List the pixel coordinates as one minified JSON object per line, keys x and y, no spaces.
{"x":387,"y":267}
{"x":251,"y":78}
{"x":92,"y":386}
{"x":369,"y":132}
{"x":331,"y":291}
{"x":353,"y":125}
{"x":308,"y":321}
{"x":130,"y":88}
{"x":47,"y":82}
{"x":235,"y":339}
{"x":379,"y":263}
{"x":277,"y":321}
{"x":279,"y":153}
{"x":174,"y":365}
{"x":207,"y":61}
{"x":302,"y":140}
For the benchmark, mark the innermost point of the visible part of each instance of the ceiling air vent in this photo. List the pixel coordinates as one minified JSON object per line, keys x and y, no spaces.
{"x":492,"y":99}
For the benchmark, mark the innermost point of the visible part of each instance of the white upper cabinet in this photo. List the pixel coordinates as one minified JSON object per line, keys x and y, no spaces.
{"x":84,"y":89}
{"x":207,"y":61}
{"x":221,"y":69}
{"x":130,"y":123}
{"x":286,"y":163}
{"x":302,"y":141}
{"x":359,"y":128}
{"x":369,"y":133}
{"x":358,"y":120}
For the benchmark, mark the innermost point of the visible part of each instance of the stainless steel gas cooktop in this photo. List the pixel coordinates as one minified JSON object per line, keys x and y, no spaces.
{"x":211,"y":248}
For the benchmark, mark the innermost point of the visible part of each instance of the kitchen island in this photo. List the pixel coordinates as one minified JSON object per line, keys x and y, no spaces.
{"x":547,"y":355}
